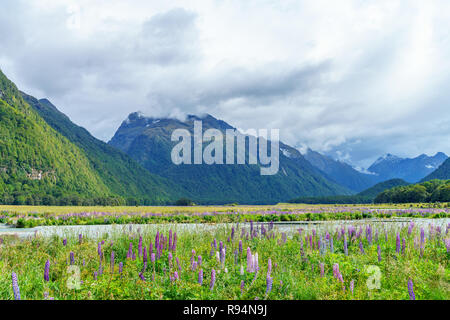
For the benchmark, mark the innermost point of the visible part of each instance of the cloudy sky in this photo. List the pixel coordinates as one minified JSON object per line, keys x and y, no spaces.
{"x":353,"y":79}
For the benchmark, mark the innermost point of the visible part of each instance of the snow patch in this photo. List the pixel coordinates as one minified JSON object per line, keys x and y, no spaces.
{"x":286,"y":153}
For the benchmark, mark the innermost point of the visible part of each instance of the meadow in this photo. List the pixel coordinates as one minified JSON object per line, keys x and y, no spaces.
{"x":237,"y":261}
{"x":357,"y":252}
{"x":30,"y":216}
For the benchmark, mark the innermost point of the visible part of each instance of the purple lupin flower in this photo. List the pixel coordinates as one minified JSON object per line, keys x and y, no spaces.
{"x":120,"y":267}
{"x":200,"y":276}
{"x":240,"y":246}
{"x":352,"y":286}
{"x":403,"y":245}
{"x":269,"y":282}
{"x":170,"y":240}
{"x":345,"y":246}
{"x":213,"y":279}
{"x":397,"y":242}
{"x":80,"y":238}
{"x":100,"y":268}
{"x":412,"y":296}
{"x":72,"y":258}
{"x":170,"y":257}
{"x":175,"y":276}
{"x":141,"y":275}
{"x":249,"y":260}
{"x":174,"y":244}
{"x":269,"y":267}
{"x":130,"y":251}
{"x":15,"y":286}
{"x":140,"y":247}
{"x":199,"y":259}
{"x":47,"y":271}
{"x":422,"y":237}
{"x":153,"y":258}
{"x":65,"y":242}
{"x":144,"y":257}
{"x":112,"y":262}
{"x":336,"y":270}
{"x":95,"y":275}
{"x":410,"y":228}
{"x":242,"y":286}
{"x":222,"y":256}
{"x":361,"y":248}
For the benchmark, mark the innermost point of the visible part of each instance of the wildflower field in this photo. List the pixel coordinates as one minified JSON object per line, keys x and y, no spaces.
{"x":235,"y":261}
{"x":29,"y":217}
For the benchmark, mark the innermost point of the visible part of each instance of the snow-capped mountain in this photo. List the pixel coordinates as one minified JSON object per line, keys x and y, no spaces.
{"x":410,"y":169}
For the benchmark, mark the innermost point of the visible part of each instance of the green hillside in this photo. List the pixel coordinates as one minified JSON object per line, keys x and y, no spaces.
{"x":121,"y":174}
{"x":366,"y":196}
{"x":148,"y":141}
{"x":429,"y":191}
{"x":443,"y":172}
{"x":37,"y":164}
{"x":382,"y":186}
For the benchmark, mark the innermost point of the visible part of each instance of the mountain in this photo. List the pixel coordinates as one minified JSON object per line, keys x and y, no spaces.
{"x":411,"y":170}
{"x":122,"y":175}
{"x":37,"y":164}
{"x":148,"y":141}
{"x":443,"y":172}
{"x":366,"y":196}
{"x":382,"y":186}
{"x":428,"y":191}
{"x":341,"y":172}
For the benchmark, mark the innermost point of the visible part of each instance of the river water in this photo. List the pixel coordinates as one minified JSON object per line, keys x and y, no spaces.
{"x":97,"y":231}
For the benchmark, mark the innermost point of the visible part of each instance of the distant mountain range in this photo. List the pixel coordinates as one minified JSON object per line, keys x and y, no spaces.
{"x":47,"y":159}
{"x":366,"y":196}
{"x":341,"y":172}
{"x":148,"y":141}
{"x":411,"y":170}
{"x":384,"y":168}
{"x":443,"y":172}
{"x":121,"y":174}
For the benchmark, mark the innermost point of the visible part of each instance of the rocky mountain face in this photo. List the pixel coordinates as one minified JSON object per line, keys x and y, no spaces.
{"x":148,"y":141}
{"x":409,"y":169}
{"x":122,"y":175}
{"x":341,"y":172}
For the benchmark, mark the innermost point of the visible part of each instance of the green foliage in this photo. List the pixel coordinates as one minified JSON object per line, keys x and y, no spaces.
{"x":442,"y":173}
{"x":121,"y":174}
{"x":366,"y":196}
{"x":149,"y":142}
{"x":295,"y":269}
{"x":430,"y":191}
{"x":184,"y":202}
{"x":37,"y":164}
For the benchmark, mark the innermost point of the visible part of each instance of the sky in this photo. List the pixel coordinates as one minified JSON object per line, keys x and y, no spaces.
{"x":353,"y":79}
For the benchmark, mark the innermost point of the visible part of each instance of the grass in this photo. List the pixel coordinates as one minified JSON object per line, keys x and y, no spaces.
{"x":28,"y":217}
{"x":295,"y":265}
{"x":191,"y":209}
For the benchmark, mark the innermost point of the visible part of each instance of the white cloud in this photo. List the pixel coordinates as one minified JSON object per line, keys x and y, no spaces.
{"x":354,"y":79}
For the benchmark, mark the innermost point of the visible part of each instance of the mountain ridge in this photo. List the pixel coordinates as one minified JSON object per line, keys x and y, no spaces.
{"x":409,"y":169}
{"x":148,"y":141}
{"x":122,"y":175}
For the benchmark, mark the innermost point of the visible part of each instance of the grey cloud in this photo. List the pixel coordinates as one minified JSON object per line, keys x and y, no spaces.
{"x":340,"y":103}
